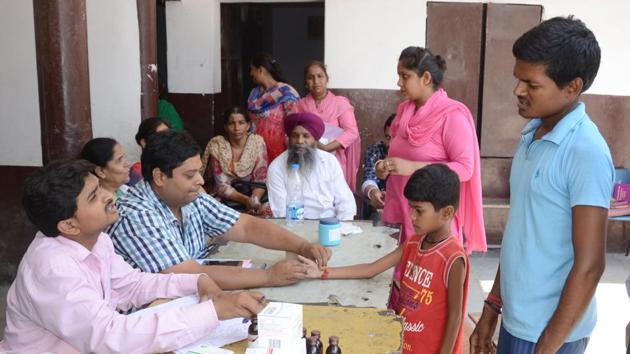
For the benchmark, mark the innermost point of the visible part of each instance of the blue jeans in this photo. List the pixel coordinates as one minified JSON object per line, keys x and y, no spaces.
{"x":508,"y":344}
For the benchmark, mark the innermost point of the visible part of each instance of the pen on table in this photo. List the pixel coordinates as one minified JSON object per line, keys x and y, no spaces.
{"x":260,"y":301}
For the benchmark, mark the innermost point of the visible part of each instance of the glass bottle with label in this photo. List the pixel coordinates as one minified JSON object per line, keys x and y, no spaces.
{"x":333,"y":345}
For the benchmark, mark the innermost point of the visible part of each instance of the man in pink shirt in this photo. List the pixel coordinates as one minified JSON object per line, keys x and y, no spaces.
{"x":70,"y":282}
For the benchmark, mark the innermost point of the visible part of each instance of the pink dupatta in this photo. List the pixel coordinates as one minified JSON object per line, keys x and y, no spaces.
{"x":418,"y":127}
{"x":337,"y":111}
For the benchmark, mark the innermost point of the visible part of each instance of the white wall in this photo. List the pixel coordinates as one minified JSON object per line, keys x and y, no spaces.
{"x":365,"y":37}
{"x":114,"y":60}
{"x":20,"y":136}
{"x":193,"y":42}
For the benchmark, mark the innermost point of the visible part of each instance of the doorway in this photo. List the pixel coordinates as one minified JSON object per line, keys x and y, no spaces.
{"x":292,"y":32}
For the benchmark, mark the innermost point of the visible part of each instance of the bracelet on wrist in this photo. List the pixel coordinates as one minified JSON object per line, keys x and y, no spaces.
{"x":325,"y":274}
{"x":493,"y":307}
{"x":495,"y":300}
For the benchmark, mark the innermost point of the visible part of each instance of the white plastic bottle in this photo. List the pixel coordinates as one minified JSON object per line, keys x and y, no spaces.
{"x":295,"y":197}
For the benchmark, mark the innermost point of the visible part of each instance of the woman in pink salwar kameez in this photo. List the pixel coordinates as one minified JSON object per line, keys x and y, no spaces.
{"x":335,"y":111}
{"x":270,"y":102}
{"x":432,"y":128}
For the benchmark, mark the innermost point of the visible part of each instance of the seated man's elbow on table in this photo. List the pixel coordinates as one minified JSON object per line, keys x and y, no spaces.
{"x":232,"y":278}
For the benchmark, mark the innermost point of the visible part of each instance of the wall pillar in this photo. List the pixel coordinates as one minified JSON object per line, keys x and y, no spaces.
{"x":148,"y":58}
{"x":63,"y":77}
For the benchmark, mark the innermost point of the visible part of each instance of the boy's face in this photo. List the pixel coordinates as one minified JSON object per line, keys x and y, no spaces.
{"x":425,"y":218}
{"x":538,"y":95}
{"x":95,"y":211}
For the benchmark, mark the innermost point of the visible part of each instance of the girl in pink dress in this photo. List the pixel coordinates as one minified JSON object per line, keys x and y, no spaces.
{"x":335,"y":111}
{"x":270,"y":102}
{"x":431,"y":128}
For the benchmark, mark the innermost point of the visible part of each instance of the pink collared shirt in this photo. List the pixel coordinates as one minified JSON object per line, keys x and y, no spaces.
{"x":64,"y":300}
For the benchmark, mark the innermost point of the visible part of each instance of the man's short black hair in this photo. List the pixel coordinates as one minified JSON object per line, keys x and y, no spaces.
{"x":50,"y":194}
{"x":389,"y":121}
{"x":167,"y":151}
{"x":566,"y":47}
{"x":436,"y":184}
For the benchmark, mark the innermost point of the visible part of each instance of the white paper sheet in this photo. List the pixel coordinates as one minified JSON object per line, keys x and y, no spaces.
{"x":227,"y":332}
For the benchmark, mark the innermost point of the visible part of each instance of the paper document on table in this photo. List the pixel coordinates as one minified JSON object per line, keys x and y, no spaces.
{"x":229,"y":331}
{"x":348,"y":228}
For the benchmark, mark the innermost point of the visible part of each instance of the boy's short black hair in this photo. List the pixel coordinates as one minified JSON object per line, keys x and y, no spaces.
{"x":566,"y":47}
{"x":50,"y":194}
{"x":436,"y":184}
{"x":167,"y":151}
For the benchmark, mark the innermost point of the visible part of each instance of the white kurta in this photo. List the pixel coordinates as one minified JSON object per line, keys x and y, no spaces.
{"x":325,"y":188}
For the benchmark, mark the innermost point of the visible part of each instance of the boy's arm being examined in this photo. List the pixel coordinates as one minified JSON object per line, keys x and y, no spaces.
{"x":589,"y":243}
{"x":456,"y":278}
{"x":358,"y":271}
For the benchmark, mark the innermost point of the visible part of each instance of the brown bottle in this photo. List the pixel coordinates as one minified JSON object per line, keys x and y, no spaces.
{"x":320,"y":345}
{"x":252,"y":333}
{"x":333,"y":345}
{"x":311,"y":345}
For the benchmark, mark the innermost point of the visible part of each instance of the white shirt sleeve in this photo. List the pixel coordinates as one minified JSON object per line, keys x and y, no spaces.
{"x":276,"y":188}
{"x":345,"y":205}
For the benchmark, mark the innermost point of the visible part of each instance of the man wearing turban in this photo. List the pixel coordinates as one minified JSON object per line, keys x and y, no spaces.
{"x":325,"y":190}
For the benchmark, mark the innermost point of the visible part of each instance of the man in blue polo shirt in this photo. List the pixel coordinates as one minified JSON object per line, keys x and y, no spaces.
{"x":553,"y":250}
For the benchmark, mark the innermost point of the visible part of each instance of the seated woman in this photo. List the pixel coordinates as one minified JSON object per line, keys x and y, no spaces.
{"x":147,"y":128}
{"x":112,"y":167}
{"x":338,"y":115}
{"x":238,"y":163}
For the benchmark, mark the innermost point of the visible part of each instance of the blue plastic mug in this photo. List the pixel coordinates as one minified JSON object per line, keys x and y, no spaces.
{"x":329,"y":232}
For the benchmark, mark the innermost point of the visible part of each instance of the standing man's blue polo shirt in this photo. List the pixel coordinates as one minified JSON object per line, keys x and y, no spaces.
{"x":569,"y":166}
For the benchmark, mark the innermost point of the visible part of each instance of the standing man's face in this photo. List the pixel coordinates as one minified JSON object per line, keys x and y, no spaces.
{"x":537,"y":94}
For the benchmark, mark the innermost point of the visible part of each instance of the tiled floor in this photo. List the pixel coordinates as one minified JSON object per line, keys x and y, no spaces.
{"x":613,"y":302}
{"x":612,"y":298}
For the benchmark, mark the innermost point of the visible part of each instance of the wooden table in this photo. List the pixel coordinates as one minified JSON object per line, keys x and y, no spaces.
{"x":360,"y":330}
{"x":373,"y":243}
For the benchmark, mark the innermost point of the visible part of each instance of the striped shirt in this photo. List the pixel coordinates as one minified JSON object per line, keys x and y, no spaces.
{"x":149,"y":236}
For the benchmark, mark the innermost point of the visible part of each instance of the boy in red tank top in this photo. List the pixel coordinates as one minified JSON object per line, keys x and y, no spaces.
{"x":434,"y":283}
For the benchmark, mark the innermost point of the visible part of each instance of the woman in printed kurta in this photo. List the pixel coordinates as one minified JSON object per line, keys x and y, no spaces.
{"x":112,"y":167}
{"x":237,"y":163}
{"x":432,"y":128}
{"x":335,"y":111}
{"x":269,"y":102}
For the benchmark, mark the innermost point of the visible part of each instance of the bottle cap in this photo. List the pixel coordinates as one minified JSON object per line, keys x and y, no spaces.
{"x":329,"y":221}
{"x":333,"y":340}
{"x":295,"y":166}
{"x":316,"y":333}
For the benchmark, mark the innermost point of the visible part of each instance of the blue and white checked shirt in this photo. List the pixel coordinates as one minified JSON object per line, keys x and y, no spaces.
{"x":149,"y":236}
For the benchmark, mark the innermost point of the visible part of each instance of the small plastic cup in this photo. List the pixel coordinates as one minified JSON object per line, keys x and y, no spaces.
{"x":329,"y":232}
